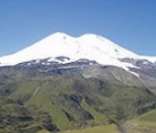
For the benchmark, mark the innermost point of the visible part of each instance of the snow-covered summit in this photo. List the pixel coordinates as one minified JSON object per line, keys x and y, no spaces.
{"x":87,"y":46}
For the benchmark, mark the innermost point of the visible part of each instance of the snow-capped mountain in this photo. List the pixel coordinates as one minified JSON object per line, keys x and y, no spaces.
{"x":87,"y":46}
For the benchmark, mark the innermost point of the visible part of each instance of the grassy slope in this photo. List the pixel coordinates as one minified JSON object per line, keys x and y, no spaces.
{"x":43,"y":99}
{"x":109,"y":98}
{"x":54,"y":95}
{"x":98,"y":117}
{"x":143,"y":124}
{"x":98,"y":129}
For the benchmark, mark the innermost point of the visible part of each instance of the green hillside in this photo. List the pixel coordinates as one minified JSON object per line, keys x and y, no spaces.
{"x":33,"y":101}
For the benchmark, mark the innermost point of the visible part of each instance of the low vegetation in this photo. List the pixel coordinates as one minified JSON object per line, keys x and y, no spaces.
{"x":36,"y":100}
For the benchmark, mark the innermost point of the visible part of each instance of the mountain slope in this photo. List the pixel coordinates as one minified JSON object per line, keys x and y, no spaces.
{"x":63,"y":83}
{"x":66,"y":96}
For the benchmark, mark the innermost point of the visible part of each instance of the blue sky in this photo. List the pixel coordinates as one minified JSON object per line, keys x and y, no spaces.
{"x":130,"y":23}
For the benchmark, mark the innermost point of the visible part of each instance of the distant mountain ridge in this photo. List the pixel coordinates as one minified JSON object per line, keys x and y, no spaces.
{"x":87,"y":46}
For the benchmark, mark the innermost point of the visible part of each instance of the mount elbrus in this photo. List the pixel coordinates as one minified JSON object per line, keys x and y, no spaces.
{"x":63,"y":82}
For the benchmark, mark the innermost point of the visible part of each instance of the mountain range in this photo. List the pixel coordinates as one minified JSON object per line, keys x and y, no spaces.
{"x":62,"y":83}
{"x":103,"y":50}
